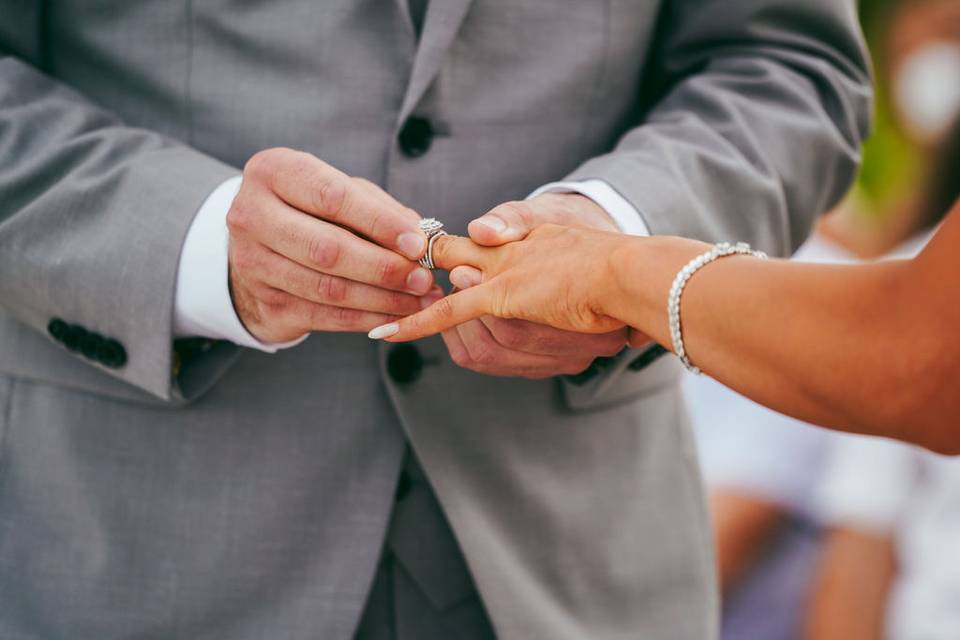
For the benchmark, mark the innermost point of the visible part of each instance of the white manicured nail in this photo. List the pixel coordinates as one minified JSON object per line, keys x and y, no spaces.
{"x":384,"y":331}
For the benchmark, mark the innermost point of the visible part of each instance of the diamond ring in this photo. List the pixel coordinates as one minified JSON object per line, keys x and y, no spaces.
{"x":434,"y":229}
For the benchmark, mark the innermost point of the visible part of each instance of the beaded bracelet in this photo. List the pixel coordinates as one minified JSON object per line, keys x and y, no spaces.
{"x":719,"y":250}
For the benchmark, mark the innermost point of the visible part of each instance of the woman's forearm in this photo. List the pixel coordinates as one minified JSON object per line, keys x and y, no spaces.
{"x":850,"y":347}
{"x":867,"y":348}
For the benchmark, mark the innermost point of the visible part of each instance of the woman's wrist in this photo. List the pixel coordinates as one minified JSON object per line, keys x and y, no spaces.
{"x":642,"y":271}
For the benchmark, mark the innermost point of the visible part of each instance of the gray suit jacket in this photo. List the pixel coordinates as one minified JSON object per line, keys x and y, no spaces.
{"x":149,"y":489}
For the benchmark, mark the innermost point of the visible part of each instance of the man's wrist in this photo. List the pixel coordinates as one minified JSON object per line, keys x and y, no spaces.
{"x":590,"y":213}
{"x":203,"y":306}
{"x":578,"y":210}
{"x":618,"y":209}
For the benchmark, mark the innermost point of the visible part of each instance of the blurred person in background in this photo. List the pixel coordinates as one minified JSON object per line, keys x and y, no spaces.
{"x":761,"y":471}
{"x":890,"y":565}
{"x":915,"y":46}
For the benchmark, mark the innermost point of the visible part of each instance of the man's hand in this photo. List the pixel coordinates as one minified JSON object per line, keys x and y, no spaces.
{"x":514,"y":347}
{"x":313,"y":249}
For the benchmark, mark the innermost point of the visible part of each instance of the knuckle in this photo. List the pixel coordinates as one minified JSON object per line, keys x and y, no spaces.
{"x":323,"y":252}
{"x":444,"y":308}
{"x":401,"y":302}
{"x":331,"y":288}
{"x":239,"y":217}
{"x":389,"y":272}
{"x":512,"y":337}
{"x":482,"y":354}
{"x":272,"y":302}
{"x":345,"y":317}
{"x":331,"y":196}
{"x":258,"y":164}
{"x":263,"y":164}
{"x":242,"y":260}
{"x":460,"y":357}
{"x":378,"y":221}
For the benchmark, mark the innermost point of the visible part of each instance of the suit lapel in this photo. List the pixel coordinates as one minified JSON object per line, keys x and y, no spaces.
{"x":440,"y":26}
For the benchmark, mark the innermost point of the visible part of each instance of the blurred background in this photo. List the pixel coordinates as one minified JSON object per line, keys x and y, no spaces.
{"x":823,"y":535}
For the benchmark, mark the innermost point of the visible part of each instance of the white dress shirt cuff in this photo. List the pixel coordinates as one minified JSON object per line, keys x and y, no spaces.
{"x":203,"y":307}
{"x":623,"y":214}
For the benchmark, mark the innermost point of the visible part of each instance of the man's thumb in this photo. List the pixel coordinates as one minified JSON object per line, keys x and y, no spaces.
{"x":506,"y":223}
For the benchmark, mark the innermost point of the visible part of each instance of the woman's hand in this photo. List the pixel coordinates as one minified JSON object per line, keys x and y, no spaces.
{"x":557,"y":276}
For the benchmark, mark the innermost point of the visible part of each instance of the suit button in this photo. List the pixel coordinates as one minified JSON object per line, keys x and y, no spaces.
{"x":90,"y":345}
{"x":57,"y":329}
{"x":73,"y":337}
{"x":416,"y":137}
{"x":112,"y":354}
{"x":404,"y":484}
{"x":404,"y":363}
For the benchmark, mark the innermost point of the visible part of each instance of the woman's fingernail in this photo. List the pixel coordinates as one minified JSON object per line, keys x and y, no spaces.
{"x":411,"y":244}
{"x":494,"y":223}
{"x":419,"y":281}
{"x":384,"y":331}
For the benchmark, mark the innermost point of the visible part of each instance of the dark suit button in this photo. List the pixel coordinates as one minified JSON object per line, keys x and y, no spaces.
{"x":90,"y":345}
{"x":404,"y":484}
{"x":57,"y":329}
{"x":404,"y":363}
{"x":73,"y":337}
{"x":416,"y":137}
{"x":112,"y":354}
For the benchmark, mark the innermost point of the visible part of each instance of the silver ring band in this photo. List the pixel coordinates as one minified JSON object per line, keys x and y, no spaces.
{"x":427,"y":259}
{"x":434,"y":229}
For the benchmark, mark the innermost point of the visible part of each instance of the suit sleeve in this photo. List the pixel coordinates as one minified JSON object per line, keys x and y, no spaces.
{"x":755,"y":130}
{"x":93,"y":214}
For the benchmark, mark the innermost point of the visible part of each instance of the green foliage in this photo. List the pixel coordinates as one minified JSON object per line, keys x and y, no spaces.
{"x":890,"y":160}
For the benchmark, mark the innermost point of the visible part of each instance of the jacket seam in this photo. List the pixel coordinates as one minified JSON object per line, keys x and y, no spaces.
{"x":5,"y":425}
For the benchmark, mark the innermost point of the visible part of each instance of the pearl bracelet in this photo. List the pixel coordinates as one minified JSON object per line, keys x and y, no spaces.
{"x":719,"y":250}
